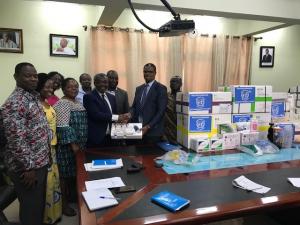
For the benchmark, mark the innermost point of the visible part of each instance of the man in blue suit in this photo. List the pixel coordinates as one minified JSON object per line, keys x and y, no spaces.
{"x":101,"y":108}
{"x":149,"y":105}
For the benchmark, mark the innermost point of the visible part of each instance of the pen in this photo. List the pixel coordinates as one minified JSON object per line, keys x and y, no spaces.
{"x":107,"y":197}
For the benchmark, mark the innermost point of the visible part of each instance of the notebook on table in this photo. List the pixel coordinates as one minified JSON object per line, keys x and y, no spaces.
{"x":170,"y":201}
{"x":99,"y":198}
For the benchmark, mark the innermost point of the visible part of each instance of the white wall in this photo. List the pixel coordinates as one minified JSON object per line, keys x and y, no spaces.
{"x":285,"y":72}
{"x":38,"y":19}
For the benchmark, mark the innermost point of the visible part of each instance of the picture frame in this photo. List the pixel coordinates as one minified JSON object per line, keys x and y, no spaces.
{"x":266,"y":56}
{"x":11,"y":40}
{"x":63,"y":45}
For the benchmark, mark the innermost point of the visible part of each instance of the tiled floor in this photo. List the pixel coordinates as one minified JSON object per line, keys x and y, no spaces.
{"x":11,"y":213}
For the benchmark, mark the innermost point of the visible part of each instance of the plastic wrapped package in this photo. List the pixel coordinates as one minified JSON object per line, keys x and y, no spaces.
{"x":180,"y":157}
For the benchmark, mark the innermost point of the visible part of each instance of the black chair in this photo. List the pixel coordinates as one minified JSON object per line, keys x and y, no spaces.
{"x":7,"y":196}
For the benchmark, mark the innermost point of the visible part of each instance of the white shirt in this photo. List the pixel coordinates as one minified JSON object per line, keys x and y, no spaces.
{"x":114,"y":117}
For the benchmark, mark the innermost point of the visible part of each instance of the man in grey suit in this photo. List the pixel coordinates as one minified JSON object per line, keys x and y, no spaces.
{"x":120,"y":94}
{"x":149,"y":105}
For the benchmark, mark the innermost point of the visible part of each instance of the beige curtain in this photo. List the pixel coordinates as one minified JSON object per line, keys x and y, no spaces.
{"x":127,"y":53}
{"x":197,"y":63}
{"x":204,"y":62}
{"x":231,"y":61}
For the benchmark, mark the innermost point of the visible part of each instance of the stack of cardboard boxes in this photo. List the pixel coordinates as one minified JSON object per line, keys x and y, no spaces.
{"x":199,"y":113}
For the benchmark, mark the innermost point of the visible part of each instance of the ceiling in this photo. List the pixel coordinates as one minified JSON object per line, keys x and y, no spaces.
{"x":283,"y":12}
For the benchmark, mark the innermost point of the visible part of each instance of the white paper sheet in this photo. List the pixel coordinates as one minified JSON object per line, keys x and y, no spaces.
{"x":112,"y":182}
{"x":246,"y":184}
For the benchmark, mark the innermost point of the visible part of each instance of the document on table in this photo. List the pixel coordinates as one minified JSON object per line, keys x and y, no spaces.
{"x":246,"y":184}
{"x":294,"y":181}
{"x":100,"y":198}
{"x":89,"y":166}
{"x":112,"y":182}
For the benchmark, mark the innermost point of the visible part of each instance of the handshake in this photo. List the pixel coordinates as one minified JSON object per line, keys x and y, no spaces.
{"x":124,"y":118}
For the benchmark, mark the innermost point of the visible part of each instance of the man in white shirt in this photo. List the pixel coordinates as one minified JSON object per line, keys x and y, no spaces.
{"x":85,"y":81}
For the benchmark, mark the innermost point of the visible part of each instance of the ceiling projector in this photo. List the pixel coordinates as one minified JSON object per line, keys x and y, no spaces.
{"x":176,"y":28}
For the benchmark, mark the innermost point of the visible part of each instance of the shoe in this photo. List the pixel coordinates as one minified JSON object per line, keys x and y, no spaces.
{"x":68,"y":211}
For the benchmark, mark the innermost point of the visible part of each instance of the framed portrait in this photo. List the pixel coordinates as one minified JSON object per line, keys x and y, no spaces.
{"x":63,"y":45}
{"x":11,"y":40}
{"x":266,"y":56}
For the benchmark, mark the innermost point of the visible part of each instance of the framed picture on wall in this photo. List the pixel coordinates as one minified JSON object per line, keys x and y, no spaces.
{"x":266,"y":56}
{"x":63,"y":45}
{"x":11,"y":40}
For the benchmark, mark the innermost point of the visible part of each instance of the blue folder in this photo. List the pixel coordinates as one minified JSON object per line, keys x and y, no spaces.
{"x":104,"y":162}
{"x":167,"y":146}
{"x":170,"y":200}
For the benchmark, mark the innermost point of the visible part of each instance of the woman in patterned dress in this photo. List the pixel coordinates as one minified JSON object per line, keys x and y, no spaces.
{"x":72,"y":137}
{"x":53,"y":208}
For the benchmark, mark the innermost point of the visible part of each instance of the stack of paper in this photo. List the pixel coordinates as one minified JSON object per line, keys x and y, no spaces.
{"x":97,"y":165}
{"x":99,"y":198}
{"x":295,"y":182}
{"x":104,"y":183}
{"x":246,"y":184}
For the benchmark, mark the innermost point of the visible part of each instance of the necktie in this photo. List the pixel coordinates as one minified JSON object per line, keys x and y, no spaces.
{"x":144,"y":95}
{"x":105,"y":102}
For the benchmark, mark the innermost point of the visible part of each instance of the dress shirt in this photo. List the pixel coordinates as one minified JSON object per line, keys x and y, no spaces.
{"x":80,"y":95}
{"x":113,"y":117}
{"x":26,"y":130}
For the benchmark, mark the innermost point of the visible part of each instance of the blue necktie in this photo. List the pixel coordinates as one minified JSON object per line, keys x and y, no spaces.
{"x":144,"y":95}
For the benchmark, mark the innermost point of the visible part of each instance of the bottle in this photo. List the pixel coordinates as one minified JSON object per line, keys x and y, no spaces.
{"x":253,"y":125}
{"x":271,"y":132}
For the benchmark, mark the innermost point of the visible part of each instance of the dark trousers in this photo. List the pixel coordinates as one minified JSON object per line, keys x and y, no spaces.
{"x":32,"y":201}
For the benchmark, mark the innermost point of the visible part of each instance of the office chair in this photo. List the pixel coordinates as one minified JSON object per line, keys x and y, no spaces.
{"x":7,"y":196}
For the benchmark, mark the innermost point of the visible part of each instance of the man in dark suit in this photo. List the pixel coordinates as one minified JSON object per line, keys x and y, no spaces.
{"x":267,"y":58}
{"x":101,"y":109}
{"x":149,"y":105}
{"x":120,"y":94}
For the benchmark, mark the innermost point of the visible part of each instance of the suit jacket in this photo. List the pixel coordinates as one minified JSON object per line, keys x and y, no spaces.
{"x":99,"y":116}
{"x":154,"y":108}
{"x":122,"y":101}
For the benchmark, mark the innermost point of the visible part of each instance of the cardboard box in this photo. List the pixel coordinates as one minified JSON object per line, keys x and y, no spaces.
{"x":200,"y":144}
{"x":216,"y":144}
{"x":206,"y":103}
{"x":231,"y":140}
{"x":179,"y":102}
{"x":251,"y":99}
{"x":249,"y":138}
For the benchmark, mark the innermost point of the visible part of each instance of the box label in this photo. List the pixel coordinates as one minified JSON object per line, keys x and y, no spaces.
{"x":244,"y":94}
{"x":200,"y":102}
{"x":200,"y":123}
{"x":241,"y":118}
{"x":277,"y":109}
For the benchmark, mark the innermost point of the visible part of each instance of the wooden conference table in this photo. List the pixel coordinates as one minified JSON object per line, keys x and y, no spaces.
{"x":211,"y":193}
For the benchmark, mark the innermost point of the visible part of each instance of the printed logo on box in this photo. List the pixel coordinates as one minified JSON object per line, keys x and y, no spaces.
{"x":277,"y":109}
{"x":200,"y":123}
{"x":200,"y":102}
{"x":241,"y":118}
{"x":244,"y":94}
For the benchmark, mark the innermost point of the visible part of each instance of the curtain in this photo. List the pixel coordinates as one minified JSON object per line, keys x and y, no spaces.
{"x":128,"y":52}
{"x":197,"y":63}
{"x":204,"y":62}
{"x":231,"y":61}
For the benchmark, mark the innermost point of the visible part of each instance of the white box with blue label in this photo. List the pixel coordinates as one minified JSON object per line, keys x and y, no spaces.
{"x":206,"y":103}
{"x":194,"y":126}
{"x":280,"y":107}
{"x":251,"y":98}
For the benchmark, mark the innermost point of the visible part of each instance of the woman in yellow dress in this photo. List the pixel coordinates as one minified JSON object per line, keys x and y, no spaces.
{"x":53,"y":208}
